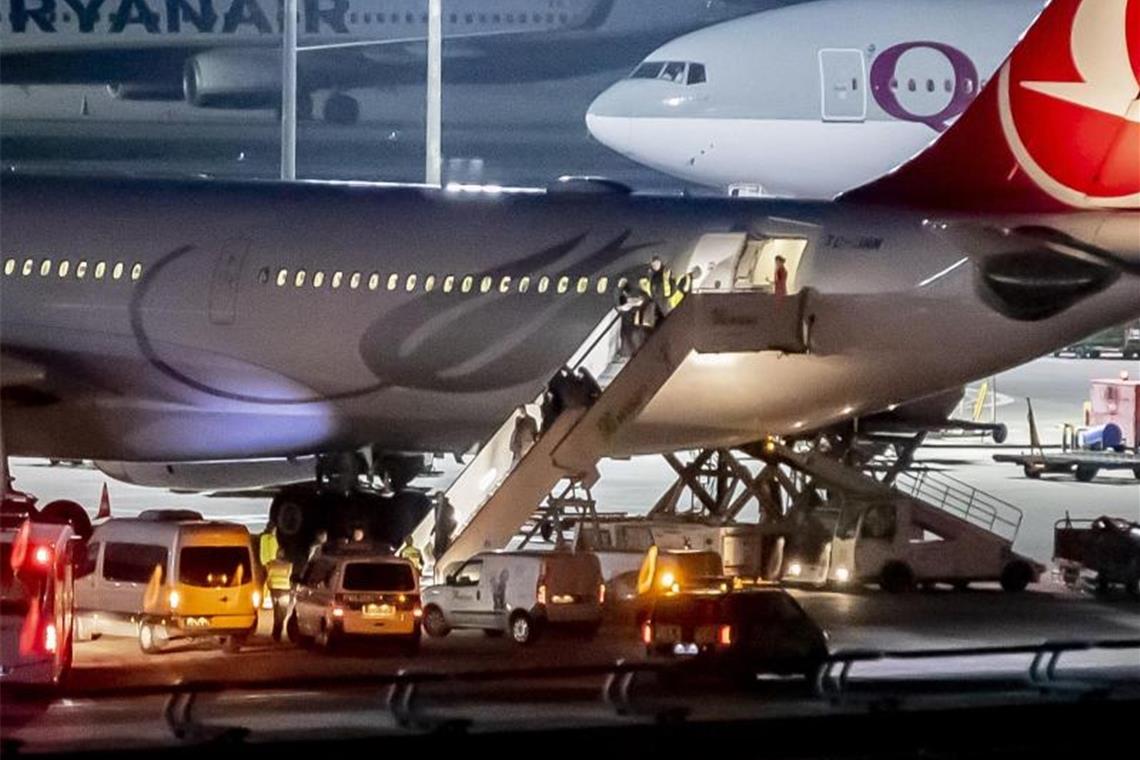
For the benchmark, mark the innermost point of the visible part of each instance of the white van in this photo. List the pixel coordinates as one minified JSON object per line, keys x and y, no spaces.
{"x":168,"y":574}
{"x":520,"y":593}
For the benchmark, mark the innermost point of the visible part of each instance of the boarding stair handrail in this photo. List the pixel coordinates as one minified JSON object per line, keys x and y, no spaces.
{"x":962,"y":500}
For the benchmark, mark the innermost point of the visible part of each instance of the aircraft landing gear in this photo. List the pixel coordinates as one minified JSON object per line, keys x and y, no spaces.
{"x":341,"y":109}
{"x":341,"y":501}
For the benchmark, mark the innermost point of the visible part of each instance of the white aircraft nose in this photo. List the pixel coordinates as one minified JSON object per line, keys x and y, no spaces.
{"x":609,"y":123}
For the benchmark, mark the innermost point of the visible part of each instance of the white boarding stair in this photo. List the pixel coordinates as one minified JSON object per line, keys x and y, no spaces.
{"x":941,"y":504}
{"x":490,"y":509}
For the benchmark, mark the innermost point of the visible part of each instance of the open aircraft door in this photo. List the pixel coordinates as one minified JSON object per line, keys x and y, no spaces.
{"x":226,"y":281}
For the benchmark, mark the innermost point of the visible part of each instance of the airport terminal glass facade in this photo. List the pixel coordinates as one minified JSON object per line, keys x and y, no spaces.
{"x":193,"y":88}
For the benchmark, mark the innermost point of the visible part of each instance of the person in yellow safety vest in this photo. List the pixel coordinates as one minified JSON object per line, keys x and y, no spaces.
{"x":409,"y":552}
{"x":279,"y":580}
{"x":267,"y":546}
{"x":658,"y":286}
{"x":683,"y":287}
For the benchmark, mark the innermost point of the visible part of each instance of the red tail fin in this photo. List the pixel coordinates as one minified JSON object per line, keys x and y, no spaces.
{"x":1058,"y":127}
{"x":104,"y":504}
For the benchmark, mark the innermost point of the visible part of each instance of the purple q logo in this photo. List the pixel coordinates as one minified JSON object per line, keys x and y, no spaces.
{"x":883,"y":73}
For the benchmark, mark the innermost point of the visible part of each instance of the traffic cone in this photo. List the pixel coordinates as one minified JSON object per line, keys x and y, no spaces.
{"x":104,"y":505}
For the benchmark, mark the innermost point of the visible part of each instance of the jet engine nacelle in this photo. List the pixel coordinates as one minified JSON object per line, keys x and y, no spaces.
{"x":145,"y":91}
{"x":233,"y":79}
{"x":213,"y":476}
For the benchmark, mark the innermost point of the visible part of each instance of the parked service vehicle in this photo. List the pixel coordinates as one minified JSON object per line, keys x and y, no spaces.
{"x":737,"y":633}
{"x":670,"y":571}
{"x":35,"y":604}
{"x":356,"y":591}
{"x":521,"y":593}
{"x":898,"y":544}
{"x":1106,"y":549}
{"x":167,"y":575}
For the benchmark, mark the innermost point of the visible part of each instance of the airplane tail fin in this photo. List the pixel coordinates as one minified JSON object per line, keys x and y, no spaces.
{"x":104,"y":505}
{"x":1057,"y":128}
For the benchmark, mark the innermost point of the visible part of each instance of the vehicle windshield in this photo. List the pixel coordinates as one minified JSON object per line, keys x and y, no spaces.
{"x":214,"y":566}
{"x":378,"y":576}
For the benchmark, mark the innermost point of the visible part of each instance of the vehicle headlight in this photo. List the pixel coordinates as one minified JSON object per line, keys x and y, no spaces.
{"x":795,"y":569}
{"x":175,"y":599}
{"x":667,"y":580}
{"x":842,"y":574}
{"x":256,"y":599}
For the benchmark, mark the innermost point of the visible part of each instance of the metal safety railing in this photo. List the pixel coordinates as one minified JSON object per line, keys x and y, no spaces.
{"x":962,"y":500}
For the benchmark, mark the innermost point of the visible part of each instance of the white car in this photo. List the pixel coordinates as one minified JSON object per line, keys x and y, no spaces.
{"x":520,"y":593}
{"x":356,"y":591}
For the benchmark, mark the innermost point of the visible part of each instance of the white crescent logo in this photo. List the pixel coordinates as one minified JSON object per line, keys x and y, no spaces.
{"x":1099,"y":47}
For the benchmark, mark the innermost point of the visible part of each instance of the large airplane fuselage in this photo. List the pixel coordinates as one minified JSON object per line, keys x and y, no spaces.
{"x":809,"y":100}
{"x":159,"y":321}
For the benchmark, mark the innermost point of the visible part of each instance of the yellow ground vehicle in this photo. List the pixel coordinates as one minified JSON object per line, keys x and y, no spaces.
{"x":168,"y":575}
{"x":670,"y":571}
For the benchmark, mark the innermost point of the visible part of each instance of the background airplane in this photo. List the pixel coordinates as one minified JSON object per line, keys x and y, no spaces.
{"x":175,"y":322}
{"x":808,"y":100}
{"x":227,"y":53}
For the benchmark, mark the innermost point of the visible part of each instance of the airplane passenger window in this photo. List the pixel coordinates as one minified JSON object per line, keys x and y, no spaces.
{"x":563,"y":284}
{"x":9,"y":266}
{"x":262,"y":274}
{"x":448,"y":283}
{"x":410,"y":283}
{"x":930,"y":85}
{"x":282,"y":277}
{"x":894,"y":84}
{"x":354,"y":280}
{"x":603,"y":284}
{"x":29,"y":264}
{"x":393,"y":281}
{"x":374,"y":281}
{"x":429,"y":283}
{"x":524,"y":284}
{"x":543,"y":284}
{"x":505,"y":284}
{"x":647,"y":70}
{"x":100,"y":270}
{"x":948,"y":86}
{"x":583,"y":284}
{"x":337,"y":279}
{"x":117,"y":271}
{"x":64,"y":268}
{"x":136,"y":272}
{"x":81,"y":270}
{"x":697,"y":73}
{"x":298,"y":279}
{"x":485,"y":284}
{"x":912,"y":85}
{"x":468,"y":283}
{"x":318,"y":279}
{"x":45,"y":267}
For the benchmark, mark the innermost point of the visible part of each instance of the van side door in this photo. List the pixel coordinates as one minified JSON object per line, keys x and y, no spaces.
{"x":466,"y":596}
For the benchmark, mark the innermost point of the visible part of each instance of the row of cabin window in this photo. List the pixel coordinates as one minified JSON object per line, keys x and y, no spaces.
{"x":427,"y":283}
{"x":455,"y":18}
{"x":64,"y":268}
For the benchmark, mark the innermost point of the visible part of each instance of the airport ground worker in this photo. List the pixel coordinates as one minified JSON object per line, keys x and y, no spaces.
{"x":628,"y":303}
{"x":279,"y":573}
{"x":409,"y":552}
{"x":524,"y":435}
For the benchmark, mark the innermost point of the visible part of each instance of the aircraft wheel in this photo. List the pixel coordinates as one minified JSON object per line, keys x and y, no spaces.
{"x":1136,"y":472}
{"x":63,"y":511}
{"x":341,"y":109}
{"x":1000,"y":433}
{"x":1031,"y":472}
{"x":1086,"y":472}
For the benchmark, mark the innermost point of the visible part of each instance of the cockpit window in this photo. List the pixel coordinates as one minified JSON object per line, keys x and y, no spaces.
{"x":674,"y":72}
{"x":679,"y":72}
{"x":648,"y":70}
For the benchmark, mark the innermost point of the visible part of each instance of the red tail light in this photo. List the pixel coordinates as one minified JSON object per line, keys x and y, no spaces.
{"x":41,"y":556}
{"x":647,"y":633}
{"x":724,"y":636}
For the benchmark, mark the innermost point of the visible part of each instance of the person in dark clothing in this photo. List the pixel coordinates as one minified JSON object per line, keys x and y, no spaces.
{"x":445,"y":525}
{"x":558,"y":390}
{"x":780,"y":282}
{"x":628,"y":303}
{"x":660,"y":288}
{"x":588,"y":386}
